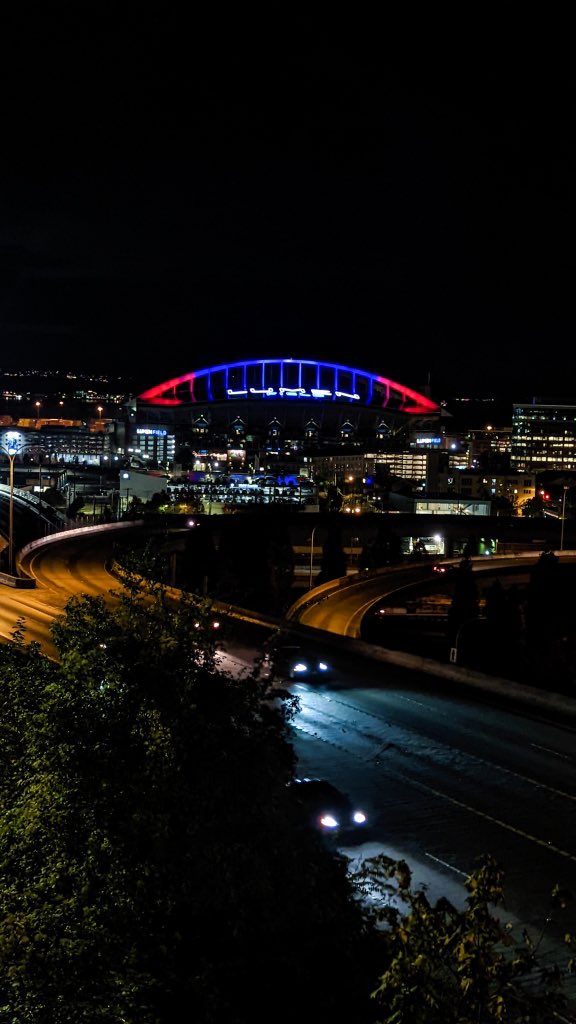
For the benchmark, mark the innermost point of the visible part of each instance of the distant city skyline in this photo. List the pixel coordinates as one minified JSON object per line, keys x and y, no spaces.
{"x":464,"y":412}
{"x":465,"y":406}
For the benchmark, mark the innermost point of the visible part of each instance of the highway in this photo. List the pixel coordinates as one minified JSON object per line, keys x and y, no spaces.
{"x":446,"y":771}
{"x":340,"y":610}
{"x":74,"y":563}
{"x":446,"y":777}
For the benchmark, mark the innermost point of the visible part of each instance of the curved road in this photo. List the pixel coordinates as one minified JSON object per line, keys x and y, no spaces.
{"x":69,"y":565}
{"x":445,"y":778}
{"x":444,"y":775}
{"x":341,"y":609}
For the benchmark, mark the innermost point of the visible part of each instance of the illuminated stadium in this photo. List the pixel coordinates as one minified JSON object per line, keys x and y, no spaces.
{"x":289,"y":403}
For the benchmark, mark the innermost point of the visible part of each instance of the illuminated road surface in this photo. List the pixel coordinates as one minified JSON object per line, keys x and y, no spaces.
{"x":75,"y":565}
{"x":444,"y":776}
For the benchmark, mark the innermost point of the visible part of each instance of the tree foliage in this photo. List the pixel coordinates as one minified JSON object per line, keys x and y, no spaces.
{"x":446,"y":965}
{"x":551,"y":623}
{"x":385,"y":549}
{"x":256,"y":562}
{"x":154,"y":867}
{"x":464,"y":606}
{"x":333,"y":562}
{"x":150,"y":856}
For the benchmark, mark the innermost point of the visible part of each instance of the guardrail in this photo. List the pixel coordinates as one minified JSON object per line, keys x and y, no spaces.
{"x":324,"y":590}
{"x":456,"y":673}
{"x":18,"y":582}
{"x":49,"y":513}
{"x":27,"y":582}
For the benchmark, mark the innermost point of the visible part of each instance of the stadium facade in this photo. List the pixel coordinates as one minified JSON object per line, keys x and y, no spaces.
{"x":280,"y":408}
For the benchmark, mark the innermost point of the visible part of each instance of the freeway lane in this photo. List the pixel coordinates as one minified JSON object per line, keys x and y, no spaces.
{"x":340,"y":610}
{"x":73,"y":564}
{"x":446,"y":779}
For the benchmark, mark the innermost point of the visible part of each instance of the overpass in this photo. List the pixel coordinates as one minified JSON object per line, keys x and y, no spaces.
{"x":330,"y":614}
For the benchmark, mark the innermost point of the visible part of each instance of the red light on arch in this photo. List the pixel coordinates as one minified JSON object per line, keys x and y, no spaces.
{"x":214,"y":385}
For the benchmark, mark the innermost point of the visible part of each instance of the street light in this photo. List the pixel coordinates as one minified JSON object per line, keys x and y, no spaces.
{"x":11,"y":447}
{"x":100,"y":410}
{"x":314,"y":528}
{"x":35,"y":450}
{"x":123,"y":490}
{"x":11,"y":456}
{"x":454,"y":649}
{"x":38,"y":404}
{"x":565,"y":488}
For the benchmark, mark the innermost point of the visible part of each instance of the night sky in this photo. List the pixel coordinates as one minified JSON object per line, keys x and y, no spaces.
{"x":174,"y":196}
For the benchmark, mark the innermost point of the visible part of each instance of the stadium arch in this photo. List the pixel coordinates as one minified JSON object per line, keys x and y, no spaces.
{"x":285,"y":404}
{"x":288,"y":380}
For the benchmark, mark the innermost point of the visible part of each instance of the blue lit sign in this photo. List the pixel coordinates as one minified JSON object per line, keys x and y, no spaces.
{"x":436,"y":441}
{"x":292,"y":393}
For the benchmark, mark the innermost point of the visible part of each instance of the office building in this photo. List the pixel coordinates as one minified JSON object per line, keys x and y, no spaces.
{"x":543,"y":438}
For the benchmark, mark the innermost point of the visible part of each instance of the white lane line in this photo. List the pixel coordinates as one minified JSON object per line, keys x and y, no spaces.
{"x":555,"y":753}
{"x":445,"y":864}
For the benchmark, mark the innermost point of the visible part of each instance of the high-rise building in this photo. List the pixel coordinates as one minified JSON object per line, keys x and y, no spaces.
{"x":543,"y":438}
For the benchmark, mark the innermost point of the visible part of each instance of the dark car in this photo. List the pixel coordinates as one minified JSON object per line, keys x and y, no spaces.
{"x":446,"y":568}
{"x":329,"y":809}
{"x":290,"y":661}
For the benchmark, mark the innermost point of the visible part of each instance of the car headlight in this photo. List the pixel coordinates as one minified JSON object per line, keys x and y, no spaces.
{"x":328,"y":821}
{"x":322,"y":666}
{"x":300,"y":667}
{"x":359,"y":817}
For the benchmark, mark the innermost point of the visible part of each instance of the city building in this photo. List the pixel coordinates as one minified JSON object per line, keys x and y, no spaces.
{"x":154,"y":446}
{"x":543,"y":438}
{"x":259,"y":431}
{"x":472,"y":485}
{"x":259,"y":414}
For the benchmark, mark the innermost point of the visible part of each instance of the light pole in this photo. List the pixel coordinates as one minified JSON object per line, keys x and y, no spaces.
{"x":11,"y":447}
{"x":36,"y":450}
{"x":454,"y":649}
{"x":314,"y":528}
{"x":124,"y":479}
{"x":565,"y":488}
{"x":11,"y":457}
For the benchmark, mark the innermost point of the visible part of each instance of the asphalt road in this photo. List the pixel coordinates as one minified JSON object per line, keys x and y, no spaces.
{"x":445,"y":773}
{"x":74,"y":564}
{"x":447,"y":777}
{"x":341,"y":610}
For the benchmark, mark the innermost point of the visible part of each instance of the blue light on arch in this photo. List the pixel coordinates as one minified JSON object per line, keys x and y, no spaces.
{"x":288,"y":380}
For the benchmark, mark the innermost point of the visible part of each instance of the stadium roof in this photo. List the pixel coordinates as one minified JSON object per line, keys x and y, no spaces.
{"x":291,"y":380}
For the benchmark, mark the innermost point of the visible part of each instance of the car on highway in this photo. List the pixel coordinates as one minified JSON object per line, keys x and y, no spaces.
{"x":446,"y":568}
{"x":291,"y":661}
{"x":328,"y":808}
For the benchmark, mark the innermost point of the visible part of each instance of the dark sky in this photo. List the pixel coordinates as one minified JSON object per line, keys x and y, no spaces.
{"x":175,"y":196}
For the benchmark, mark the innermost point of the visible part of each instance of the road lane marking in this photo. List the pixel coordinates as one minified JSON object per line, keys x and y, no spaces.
{"x":545,"y":843}
{"x":549,"y":750}
{"x":445,"y":864}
